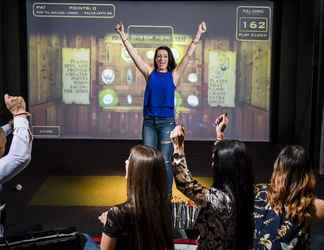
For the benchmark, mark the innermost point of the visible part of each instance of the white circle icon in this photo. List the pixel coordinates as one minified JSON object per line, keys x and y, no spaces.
{"x":193,"y":100}
{"x":108,"y":76}
{"x":108,"y":99}
{"x":192,"y":77}
{"x":150,"y":54}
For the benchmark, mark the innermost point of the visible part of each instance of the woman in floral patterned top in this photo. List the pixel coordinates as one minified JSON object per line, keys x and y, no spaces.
{"x":225,"y":220}
{"x":284,"y":209}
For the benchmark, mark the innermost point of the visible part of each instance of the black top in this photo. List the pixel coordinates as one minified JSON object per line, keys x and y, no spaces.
{"x":121,"y":225}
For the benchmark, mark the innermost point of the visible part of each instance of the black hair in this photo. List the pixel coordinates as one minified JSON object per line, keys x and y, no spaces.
{"x":233,"y":174}
{"x":171,"y":61}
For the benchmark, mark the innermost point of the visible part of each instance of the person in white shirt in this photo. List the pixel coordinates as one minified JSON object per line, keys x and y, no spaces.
{"x":19,"y":154}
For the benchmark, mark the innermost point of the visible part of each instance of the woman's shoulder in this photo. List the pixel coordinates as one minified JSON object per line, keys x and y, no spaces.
{"x":119,"y":214}
{"x":118,"y":219}
{"x":151,"y":74}
{"x":119,"y":210}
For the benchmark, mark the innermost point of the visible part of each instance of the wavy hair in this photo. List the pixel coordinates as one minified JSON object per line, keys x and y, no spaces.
{"x":233,"y":174}
{"x":171,"y":61}
{"x":146,"y":193}
{"x":291,"y":192}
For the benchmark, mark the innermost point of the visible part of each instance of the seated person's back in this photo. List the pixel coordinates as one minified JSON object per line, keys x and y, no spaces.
{"x":143,"y":222}
{"x":285,"y":208}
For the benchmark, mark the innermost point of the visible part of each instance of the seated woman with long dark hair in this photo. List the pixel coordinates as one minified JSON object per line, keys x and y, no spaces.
{"x":225,"y":220}
{"x":285,"y":208}
{"x":143,"y":222}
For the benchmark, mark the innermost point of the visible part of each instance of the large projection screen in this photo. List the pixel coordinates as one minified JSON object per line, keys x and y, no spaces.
{"x":83,"y":84}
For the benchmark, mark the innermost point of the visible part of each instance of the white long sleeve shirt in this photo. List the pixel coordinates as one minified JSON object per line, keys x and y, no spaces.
{"x":19,"y":154}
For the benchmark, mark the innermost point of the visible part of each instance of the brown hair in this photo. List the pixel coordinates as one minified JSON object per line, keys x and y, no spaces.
{"x":291,"y":192}
{"x":147,"y":196}
{"x":3,"y":141}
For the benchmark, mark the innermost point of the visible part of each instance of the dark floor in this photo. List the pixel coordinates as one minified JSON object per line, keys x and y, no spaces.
{"x":101,"y":158}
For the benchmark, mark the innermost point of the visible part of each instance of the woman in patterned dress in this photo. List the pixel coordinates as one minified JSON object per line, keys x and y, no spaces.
{"x":285,"y":208}
{"x":225,"y":220}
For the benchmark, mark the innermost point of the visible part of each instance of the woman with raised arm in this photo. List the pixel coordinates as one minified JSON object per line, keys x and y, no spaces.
{"x":143,"y":222}
{"x":285,"y":208}
{"x":225,"y":220}
{"x":161,"y":82}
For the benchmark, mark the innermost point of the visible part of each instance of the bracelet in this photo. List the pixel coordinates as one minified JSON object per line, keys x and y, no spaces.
{"x":177,"y":156}
{"x":22,"y":113}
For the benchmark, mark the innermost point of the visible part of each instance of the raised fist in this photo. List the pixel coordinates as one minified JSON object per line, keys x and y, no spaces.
{"x":202,"y":28}
{"x":120,"y":28}
{"x":15,"y":104}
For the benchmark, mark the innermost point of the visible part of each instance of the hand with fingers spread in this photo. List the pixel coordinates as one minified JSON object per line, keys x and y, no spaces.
{"x":177,"y":137}
{"x":221,"y":124}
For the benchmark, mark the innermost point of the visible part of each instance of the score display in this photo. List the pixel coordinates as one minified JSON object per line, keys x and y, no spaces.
{"x":253,"y":23}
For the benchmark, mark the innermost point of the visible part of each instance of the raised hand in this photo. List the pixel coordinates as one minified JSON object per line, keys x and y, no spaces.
{"x":15,"y":104}
{"x":221,"y":123}
{"x":120,"y":29}
{"x":202,"y":28}
{"x":177,"y":138}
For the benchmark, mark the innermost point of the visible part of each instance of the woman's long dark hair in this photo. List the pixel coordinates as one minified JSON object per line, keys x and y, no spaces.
{"x":233,"y":174}
{"x":146,"y":192}
{"x":171,"y":61}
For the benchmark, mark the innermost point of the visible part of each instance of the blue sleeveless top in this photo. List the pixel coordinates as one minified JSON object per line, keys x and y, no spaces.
{"x":159,"y":95}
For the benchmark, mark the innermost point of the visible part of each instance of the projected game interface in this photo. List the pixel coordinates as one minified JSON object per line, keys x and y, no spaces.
{"x":83,"y":84}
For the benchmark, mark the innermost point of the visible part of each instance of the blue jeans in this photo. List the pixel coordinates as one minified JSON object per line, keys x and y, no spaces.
{"x":156,"y":133}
